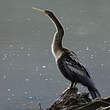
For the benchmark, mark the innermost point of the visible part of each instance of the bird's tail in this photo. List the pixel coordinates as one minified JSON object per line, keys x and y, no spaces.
{"x":94,"y":93}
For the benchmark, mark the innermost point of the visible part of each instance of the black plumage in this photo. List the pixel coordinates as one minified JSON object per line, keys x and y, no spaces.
{"x":72,"y":70}
{"x":67,"y":60}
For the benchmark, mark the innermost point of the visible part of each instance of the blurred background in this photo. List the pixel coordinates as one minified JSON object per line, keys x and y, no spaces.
{"x":28,"y":73}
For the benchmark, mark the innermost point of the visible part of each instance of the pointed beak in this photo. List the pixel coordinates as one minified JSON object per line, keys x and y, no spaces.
{"x":39,"y":10}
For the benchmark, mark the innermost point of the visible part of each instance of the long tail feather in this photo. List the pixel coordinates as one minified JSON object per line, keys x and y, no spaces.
{"x":94,"y":93}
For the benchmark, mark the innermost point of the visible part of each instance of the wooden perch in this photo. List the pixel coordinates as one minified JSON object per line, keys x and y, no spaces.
{"x":71,"y":100}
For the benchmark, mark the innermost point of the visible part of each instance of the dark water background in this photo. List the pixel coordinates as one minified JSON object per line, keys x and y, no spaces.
{"x":28,"y":73}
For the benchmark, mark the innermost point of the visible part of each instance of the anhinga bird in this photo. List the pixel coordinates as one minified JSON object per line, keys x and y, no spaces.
{"x":67,"y":60}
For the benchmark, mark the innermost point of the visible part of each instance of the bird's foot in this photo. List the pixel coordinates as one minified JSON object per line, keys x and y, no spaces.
{"x":71,"y":86}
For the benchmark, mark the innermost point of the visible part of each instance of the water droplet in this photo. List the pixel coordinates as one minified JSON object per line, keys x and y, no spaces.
{"x":77,"y":51}
{"x":5,"y":56}
{"x":40,"y":74}
{"x":105,"y":41}
{"x":102,"y":65}
{"x":27,"y":80}
{"x":26,"y":92}
{"x":87,"y":48}
{"x":9,"y":99}
{"x":92,"y":57}
{"x":46,"y":79}
{"x":9,"y":90}
{"x":28,"y":54}
{"x":30,"y":97}
{"x":4,"y":77}
{"x":56,"y":94}
{"x":13,"y":95}
{"x":43,"y":66}
{"x":11,"y":46}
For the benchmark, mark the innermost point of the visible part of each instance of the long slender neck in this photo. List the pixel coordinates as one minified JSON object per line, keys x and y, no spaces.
{"x":57,"y":39}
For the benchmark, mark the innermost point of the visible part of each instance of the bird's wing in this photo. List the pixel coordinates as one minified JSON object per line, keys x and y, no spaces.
{"x":73,"y":70}
{"x":71,"y":62}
